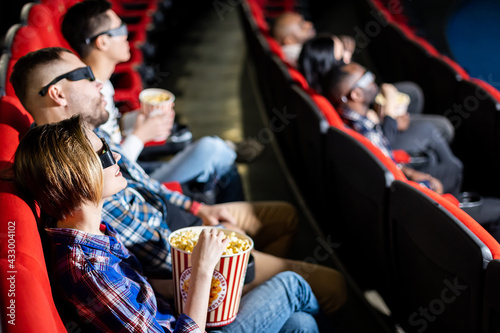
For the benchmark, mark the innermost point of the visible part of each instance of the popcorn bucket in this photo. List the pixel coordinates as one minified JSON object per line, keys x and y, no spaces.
{"x":227,"y":279}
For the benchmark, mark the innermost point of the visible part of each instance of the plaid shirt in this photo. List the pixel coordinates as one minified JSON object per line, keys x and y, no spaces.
{"x":139,"y":212}
{"x":367,"y":128}
{"x":102,"y":280}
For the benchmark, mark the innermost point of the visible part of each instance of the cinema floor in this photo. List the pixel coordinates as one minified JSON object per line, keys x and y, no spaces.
{"x":216,"y":95}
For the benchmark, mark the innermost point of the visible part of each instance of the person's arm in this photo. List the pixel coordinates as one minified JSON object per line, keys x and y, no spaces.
{"x":111,"y":301}
{"x":142,"y":229}
{"x":418,"y":177}
{"x":132,"y":147}
{"x":205,"y":256}
{"x":391,"y":100}
{"x":389,"y":128}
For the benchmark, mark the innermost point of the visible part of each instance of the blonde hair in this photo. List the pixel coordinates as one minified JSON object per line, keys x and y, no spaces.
{"x":56,"y":165}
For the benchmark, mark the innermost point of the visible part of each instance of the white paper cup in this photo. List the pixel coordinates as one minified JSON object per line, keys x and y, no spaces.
{"x":227,"y":280}
{"x":155,"y":100}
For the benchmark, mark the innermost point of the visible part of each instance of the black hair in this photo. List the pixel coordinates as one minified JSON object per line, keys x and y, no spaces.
{"x":83,"y":21}
{"x":27,"y":64}
{"x":317,"y":59}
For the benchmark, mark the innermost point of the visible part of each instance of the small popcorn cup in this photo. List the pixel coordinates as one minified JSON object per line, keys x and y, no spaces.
{"x":227,"y":279}
{"x":154,"y":100}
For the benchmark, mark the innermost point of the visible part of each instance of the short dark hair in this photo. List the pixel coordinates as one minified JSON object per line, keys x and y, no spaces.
{"x":333,"y":85}
{"x":27,"y":64}
{"x":317,"y":59}
{"x":82,"y":21}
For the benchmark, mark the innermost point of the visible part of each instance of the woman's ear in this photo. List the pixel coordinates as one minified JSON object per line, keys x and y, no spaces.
{"x":56,"y":93}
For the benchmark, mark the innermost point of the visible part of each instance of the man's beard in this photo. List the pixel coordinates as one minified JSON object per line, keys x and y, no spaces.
{"x":96,"y":118}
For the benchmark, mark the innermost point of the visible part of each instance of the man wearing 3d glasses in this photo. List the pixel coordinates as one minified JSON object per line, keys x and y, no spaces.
{"x":352,"y":90}
{"x":205,"y":168}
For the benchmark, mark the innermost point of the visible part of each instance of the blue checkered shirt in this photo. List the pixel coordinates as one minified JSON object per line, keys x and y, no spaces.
{"x":102,"y":280}
{"x":139,"y":212}
{"x":367,"y":128}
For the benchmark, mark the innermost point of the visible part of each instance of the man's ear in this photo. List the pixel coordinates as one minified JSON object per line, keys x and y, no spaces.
{"x":101,"y":42}
{"x":56,"y":93}
{"x":356,"y":94}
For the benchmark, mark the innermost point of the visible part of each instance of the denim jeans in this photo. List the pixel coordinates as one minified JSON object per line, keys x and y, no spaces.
{"x":285,"y":303}
{"x":199,"y":160}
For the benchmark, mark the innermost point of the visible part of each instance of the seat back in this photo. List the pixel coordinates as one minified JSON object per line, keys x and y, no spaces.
{"x":327,"y":109}
{"x":14,"y":123}
{"x":4,"y":66}
{"x":22,"y":269}
{"x":444,"y":80}
{"x":438,"y":262}
{"x":41,"y":18}
{"x":307,"y":133}
{"x":492,"y":298}
{"x":358,"y":176}
{"x":477,"y":143}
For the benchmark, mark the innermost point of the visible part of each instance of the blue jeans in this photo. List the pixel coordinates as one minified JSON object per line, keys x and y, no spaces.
{"x":285,"y":303}
{"x":199,"y":160}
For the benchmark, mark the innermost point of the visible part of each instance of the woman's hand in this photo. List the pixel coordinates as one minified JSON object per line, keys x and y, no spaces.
{"x":208,"y":250}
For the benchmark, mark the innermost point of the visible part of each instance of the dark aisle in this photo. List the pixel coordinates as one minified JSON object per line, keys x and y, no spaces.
{"x":216,"y":95}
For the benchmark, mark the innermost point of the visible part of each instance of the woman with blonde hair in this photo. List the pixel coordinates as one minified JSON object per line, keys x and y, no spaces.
{"x":68,"y":171}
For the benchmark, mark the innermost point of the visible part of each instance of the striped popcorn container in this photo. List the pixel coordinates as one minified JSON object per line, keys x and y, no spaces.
{"x":227,"y":280}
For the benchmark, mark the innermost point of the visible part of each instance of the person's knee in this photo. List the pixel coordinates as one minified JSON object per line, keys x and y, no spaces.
{"x":292,"y":280}
{"x":328,"y":284}
{"x":215,"y":145}
{"x":337,"y":289}
{"x":300,"y":322}
{"x":291,"y":212}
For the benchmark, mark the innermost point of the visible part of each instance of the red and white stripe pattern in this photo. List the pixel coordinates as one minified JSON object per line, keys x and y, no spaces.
{"x":232,"y":268}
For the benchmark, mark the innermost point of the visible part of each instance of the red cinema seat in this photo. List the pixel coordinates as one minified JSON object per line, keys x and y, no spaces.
{"x":306,"y":127}
{"x":42,"y":18}
{"x":34,"y":306}
{"x":14,"y":123}
{"x":275,"y":47}
{"x":298,"y":77}
{"x":358,"y":177}
{"x":26,"y":39}
{"x":258,"y":16}
{"x":328,"y":110}
{"x":128,"y":86}
{"x":143,"y":9}
{"x":4,"y":67}
{"x":439,"y":259}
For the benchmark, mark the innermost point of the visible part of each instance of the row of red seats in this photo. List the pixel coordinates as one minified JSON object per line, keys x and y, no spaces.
{"x":403,"y":240}
{"x":471,"y":104}
{"x":26,"y":296}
